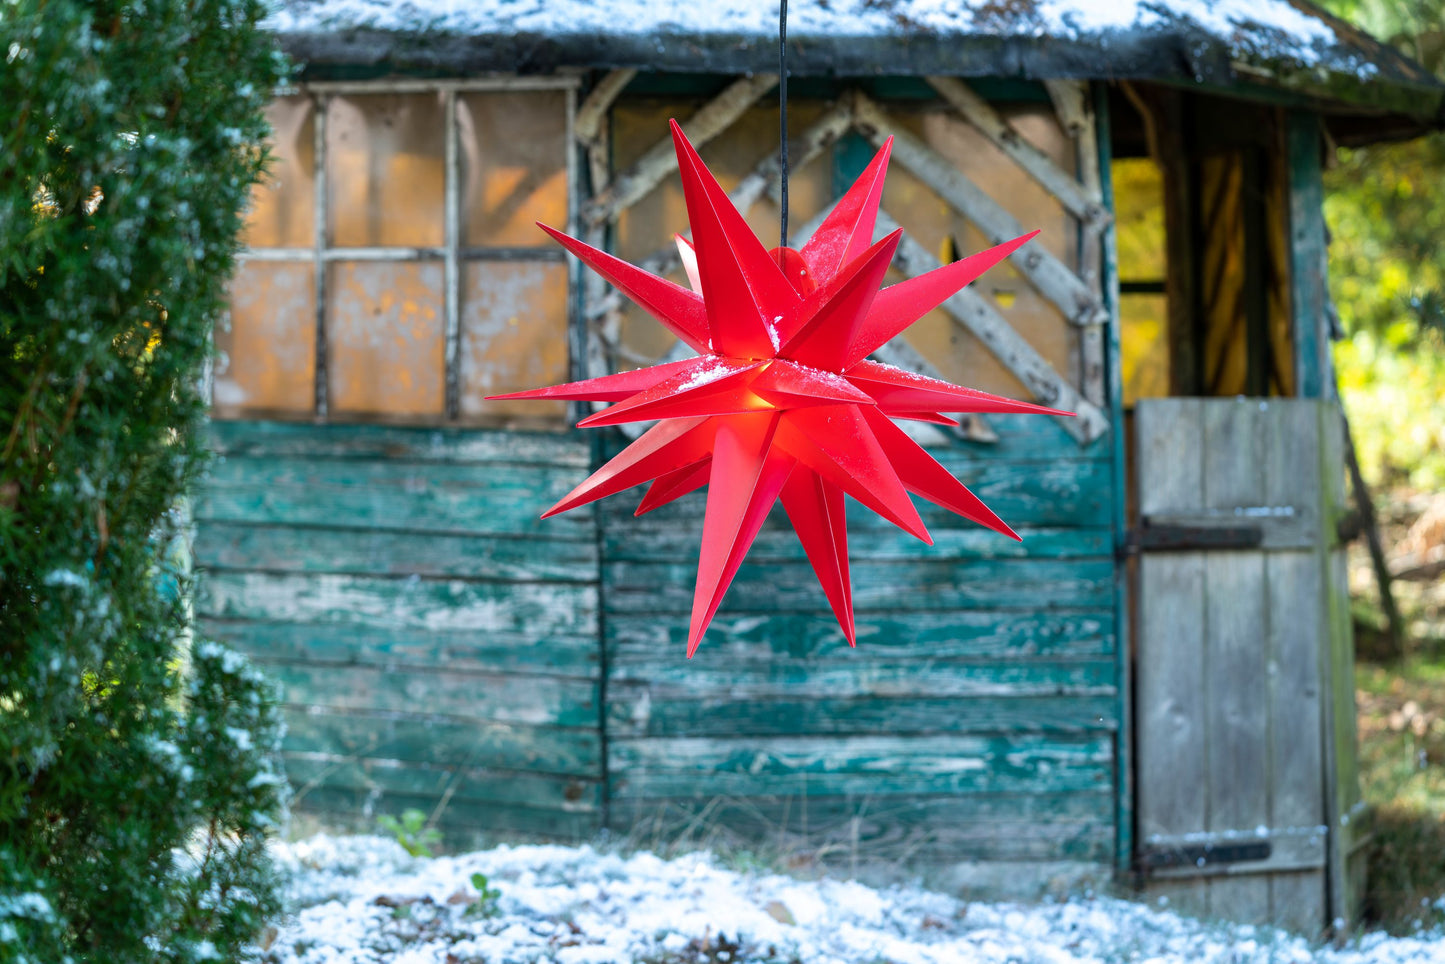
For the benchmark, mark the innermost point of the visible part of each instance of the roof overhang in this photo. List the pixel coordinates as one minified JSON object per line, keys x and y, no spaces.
{"x":1279,"y":49}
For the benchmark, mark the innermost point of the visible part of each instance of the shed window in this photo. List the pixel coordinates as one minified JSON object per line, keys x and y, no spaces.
{"x":393,"y":270}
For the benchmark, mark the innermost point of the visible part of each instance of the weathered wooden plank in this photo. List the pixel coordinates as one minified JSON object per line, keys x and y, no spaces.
{"x":874,"y":765}
{"x":593,"y":109}
{"x":1170,"y":458}
{"x":361,"y":644}
{"x":500,"y":483}
{"x":914,"y":635}
{"x":465,"y":824}
{"x":634,"y":711}
{"x":466,"y":446}
{"x":469,"y":784}
{"x":1237,"y":789}
{"x":1029,"y":493}
{"x":778,"y":543}
{"x":904,"y":585}
{"x":391,"y":495}
{"x":1171,"y":701}
{"x":1292,"y":581}
{"x":1029,"y":438}
{"x":659,"y":161}
{"x":973,"y":313}
{"x":1048,"y":274}
{"x":273,"y":548}
{"x":876,"y":676}
{"x":1076,"y":199}
{"x":558,"y":701}
{"x":541,"y":610}
{"x":846,"y":831}
{"x":445,"y":742}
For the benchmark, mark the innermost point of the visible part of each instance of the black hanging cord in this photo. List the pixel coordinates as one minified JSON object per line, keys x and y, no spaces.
{"x":783,"y":119}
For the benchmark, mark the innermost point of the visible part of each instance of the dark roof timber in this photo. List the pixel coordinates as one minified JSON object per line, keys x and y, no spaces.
{"x":1282,"y":50}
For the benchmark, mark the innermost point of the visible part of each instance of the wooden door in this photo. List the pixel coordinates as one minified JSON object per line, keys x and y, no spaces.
{"x":1244,"y":699}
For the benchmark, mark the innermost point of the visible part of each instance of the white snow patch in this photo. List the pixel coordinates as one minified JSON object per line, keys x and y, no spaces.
{"x":362,"y":900}
{"x":1271,"y":27}
{"x":710,"y":371}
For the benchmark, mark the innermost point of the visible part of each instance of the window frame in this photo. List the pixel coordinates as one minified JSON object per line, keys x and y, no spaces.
{"x":452,"y":253}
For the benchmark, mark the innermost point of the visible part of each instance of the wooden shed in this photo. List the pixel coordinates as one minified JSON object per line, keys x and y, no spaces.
{"x":1154,"y":686}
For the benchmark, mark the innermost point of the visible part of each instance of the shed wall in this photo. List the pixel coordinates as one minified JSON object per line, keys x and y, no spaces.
{"x":976,"y":719}
{"x":436,"y":642}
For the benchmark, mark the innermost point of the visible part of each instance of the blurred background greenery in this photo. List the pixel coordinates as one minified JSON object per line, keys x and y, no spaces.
{"x":1385,"y":206}
{"x":1386,"y":213}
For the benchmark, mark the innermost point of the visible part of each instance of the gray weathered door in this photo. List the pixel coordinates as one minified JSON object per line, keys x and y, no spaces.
{"x":1246,"y":780}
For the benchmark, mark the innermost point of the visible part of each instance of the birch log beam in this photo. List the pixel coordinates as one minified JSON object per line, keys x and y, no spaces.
{"x":1047,"y":273}
{"x":976,"y":315}
{"x":763,"y":179}
{"x":1075,"y":197}
{"x":591,"y":127}
{"x":1076,"y":114}
{"x":660,"y":161}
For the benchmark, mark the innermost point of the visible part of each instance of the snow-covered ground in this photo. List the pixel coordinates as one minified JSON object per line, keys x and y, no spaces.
{"x":363,"y":900}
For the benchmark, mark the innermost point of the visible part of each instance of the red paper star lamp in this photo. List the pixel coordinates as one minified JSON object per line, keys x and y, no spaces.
{"x":781,"y":402}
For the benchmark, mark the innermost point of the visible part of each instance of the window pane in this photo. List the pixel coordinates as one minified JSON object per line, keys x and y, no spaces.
{"x":514,"y":334}
{"x":1139,"y":218}
{"x":1144,"y":346}
{"x":385,"y":338}
{"x":514,"y":166}
{"x":266,"y":349}
{"x":283,"y":206}
{"x":385,"y":170}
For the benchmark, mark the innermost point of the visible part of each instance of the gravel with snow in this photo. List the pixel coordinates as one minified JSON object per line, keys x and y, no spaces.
{"x":362,"y":899}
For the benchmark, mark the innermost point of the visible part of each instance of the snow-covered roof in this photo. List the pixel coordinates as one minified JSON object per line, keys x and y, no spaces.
{"x":1217,"y":42}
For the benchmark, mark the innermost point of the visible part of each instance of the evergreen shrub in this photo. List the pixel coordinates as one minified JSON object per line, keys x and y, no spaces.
{"x":137,"y":783}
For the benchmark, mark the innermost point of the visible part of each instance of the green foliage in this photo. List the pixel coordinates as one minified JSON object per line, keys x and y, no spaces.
{"x":136,"y":776}
{"x":411,"y":832}
{"x":1386,"y":214}
{"x":486,"y":903}
{"x":1395,"y":395}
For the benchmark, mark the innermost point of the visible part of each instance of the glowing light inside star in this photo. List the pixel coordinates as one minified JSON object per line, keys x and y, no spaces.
{"x":782,"y":402}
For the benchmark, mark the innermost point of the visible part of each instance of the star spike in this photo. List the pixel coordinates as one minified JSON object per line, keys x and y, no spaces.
{"x":815,"y":508}
{"x":847,"y":231}
{"x":737,"y":274}
{"x":900,"y":305}
{"x":782,"y":405}
{"x":680,"y":311}
{"x":750,"y":472}
{"x":609,"y":388}
{"x":665,"y":447}
{"x":674,"y":485}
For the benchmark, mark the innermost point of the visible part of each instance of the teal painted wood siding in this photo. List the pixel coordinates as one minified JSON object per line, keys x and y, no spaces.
{"x":437,"y":640}
{"x":976,"y":719}
{"x":433,"y":637}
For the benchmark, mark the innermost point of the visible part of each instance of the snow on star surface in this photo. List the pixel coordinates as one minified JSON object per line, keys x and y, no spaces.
{"x":362,"y":900}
